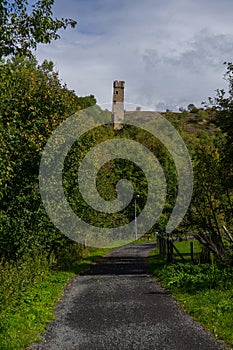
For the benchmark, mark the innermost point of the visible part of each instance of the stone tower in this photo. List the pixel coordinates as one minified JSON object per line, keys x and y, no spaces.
{"x":118,"y":104}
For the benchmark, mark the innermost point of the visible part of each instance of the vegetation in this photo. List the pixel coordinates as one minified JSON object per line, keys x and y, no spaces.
{"x":36,"y":259}
{"x":208,"y":136}
{"x":204,"y":285}
{"x":210,"y":215}
{"x":24,"y":26}
{"x":205,"y":291}
{"x":112,"y":172}
{"x":34,"y":102}
{"x":34,"y":255}
{"x":29,"y":292}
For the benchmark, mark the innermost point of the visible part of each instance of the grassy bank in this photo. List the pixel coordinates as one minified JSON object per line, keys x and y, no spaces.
{"x":205,"y":291}
{"x":27,"y":304}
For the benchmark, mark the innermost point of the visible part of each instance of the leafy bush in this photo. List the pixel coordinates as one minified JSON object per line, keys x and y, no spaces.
{"x":202,"y":115}
{"x":17,"y":278}
{"x":33,"y":104}
{"x":192,"y":108}
{"x":190,"y":277}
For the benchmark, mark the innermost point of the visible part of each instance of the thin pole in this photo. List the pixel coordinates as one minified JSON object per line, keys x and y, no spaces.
{"x":135,"y":219}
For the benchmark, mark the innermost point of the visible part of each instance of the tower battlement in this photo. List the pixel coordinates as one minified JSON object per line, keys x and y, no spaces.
{"x":118,"y":84}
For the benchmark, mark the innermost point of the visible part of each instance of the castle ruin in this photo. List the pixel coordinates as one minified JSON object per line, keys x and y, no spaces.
{"x":118,"y":104}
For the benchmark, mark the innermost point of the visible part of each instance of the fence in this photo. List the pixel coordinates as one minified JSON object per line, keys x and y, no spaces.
{"x":166,"y":248}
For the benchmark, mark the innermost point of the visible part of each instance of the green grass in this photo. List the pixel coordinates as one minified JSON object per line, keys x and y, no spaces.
{"x":23,"y":323}
{"x":184,"y":247}
{"x":26,"y":319}
{"x":212,"y":308}
{"x":141,"y":239}
{"x":204,"y":291}
{"x":144,"y":239}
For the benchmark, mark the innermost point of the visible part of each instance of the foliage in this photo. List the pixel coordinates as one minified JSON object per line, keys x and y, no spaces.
{"x":209,"y":208}
{"x":112,"y":172}
{"x":210,"y":215}
{"x":24,"y":26}
{"x":202,"y":115}
{"x":223,"y":104}
{"x":192,"y":108}
{"x":38,"y":287}
{"x":192,"y":278}
{"x":18,"y":277}
{"x":204,"y":291}
{"x":24,"y":323}
{"x":34,"y":102}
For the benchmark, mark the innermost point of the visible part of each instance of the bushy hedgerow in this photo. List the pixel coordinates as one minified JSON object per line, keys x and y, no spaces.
{"x":33,"y":103}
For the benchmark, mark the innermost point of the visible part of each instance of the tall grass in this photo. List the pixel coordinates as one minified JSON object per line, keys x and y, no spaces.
{"x":192,"y":278}
{"x":30,"y":289}
{"x":18,"y":277}
{"x":204,"y":290}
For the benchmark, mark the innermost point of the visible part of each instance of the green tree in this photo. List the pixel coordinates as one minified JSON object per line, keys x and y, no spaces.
{"x":23,"y":27}
{"x":33,"y":103}
{"x":192,"y":108}
{"x":209,"y":212}
{"x":223,"y":104}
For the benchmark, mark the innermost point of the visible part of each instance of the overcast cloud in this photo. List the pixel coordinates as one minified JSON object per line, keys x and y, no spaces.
{"x":169,"y":52}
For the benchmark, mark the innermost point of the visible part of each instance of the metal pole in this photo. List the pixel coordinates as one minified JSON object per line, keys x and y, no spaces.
{"x":135,"y":218}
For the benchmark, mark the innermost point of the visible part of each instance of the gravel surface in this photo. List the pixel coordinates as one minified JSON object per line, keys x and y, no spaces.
{"x":116,"y":305}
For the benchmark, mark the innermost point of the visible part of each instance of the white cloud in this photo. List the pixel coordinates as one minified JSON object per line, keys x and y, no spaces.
{"x":169,"y":52}
{"x":188,"y":75}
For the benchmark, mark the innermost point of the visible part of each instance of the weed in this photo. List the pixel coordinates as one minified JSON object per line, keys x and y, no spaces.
{"x":29,"y":292}
{"x":205,"y":292}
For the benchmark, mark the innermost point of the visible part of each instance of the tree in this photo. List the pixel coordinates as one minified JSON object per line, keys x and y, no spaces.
{"x":23,"y":27}
{"x":208,"y":205}
{"x":223,"y":105}
{"x":192,"y":108}
{"x":33,"y":103}
{"x":211,"y":210}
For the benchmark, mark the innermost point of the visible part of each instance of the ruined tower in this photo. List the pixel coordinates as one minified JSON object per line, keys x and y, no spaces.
{"x":118,"y":104}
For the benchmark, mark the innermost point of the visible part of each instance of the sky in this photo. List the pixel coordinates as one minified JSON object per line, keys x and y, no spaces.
{"x":170,"y":53}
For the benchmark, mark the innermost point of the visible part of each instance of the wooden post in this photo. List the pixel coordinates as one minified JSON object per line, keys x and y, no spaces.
{"x":160,"y":244}
{"x":180,"y":255}
{"x":169,"y":250}
{"x":191,"y":251}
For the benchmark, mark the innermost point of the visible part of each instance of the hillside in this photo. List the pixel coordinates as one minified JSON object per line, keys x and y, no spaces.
{"x":191,"y":122}
{"x":195,"y":121}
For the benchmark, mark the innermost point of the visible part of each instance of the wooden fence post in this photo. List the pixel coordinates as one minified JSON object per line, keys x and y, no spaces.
{"x":169,"y":250}
{"x":161,"y":242}
{"x":191,"y":251}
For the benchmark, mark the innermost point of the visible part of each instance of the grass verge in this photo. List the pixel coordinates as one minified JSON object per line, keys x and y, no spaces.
{"x":27,"y":318}
{"x":205,"y":291}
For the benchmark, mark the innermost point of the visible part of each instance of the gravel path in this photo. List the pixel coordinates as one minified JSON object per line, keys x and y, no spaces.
{"x":116,"y":305}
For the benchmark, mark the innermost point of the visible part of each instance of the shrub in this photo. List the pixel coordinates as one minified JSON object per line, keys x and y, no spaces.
{"x":190,"y":277}
{"x":33,"y":103}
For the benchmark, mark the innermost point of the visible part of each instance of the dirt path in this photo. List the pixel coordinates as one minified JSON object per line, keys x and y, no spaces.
{"x":118,"y":306}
